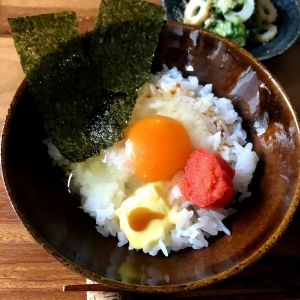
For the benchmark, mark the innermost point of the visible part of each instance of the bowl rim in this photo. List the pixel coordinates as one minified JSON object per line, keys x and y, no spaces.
{"x":156,"y":288}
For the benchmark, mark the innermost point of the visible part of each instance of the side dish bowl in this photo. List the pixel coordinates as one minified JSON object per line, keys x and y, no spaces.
{"x":288,"y":23}
{"x":51,"y":215}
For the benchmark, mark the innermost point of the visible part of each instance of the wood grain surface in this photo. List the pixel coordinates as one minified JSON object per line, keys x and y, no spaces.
{"x":28,"y":272}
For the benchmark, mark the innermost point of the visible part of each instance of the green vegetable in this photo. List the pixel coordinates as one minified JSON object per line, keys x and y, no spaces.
{"x":210,"y":22}
{"x":240,"y":34}
{"x":237,"y":32}
{"x":243,"y":33}
{"x":224,"y":6}
{"x":224,"y":28}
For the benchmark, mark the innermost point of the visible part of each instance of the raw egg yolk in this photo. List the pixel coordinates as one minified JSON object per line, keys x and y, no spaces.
{"x":159,"y":147}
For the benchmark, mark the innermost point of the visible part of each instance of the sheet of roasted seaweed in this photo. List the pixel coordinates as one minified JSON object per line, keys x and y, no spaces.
{"x":59,"y":77}
{"x":86,"y":99}
{"x":124,"y":42}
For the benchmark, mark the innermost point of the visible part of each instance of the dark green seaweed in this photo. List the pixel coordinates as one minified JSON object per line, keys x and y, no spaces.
{"x":60,"y":78}
{"x":124,"y":42}
{"x":37,"y":36}
{"x":87,"y":99}
{"x":106,"y":127}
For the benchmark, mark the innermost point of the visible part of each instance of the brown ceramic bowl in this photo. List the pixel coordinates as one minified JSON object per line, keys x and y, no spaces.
{"x":51,"y":216}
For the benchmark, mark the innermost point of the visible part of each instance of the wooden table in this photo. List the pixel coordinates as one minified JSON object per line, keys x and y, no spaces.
{"x":28,"y":272}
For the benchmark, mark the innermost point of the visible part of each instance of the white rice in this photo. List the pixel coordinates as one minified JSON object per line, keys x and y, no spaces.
{"x":211,"y":122}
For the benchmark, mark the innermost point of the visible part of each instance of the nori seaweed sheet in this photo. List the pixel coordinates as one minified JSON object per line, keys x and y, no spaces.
{"x":37,"y":36}
{"x":106,"y":127}
{"x":86,"y":108}
{"x":60,"y":78}
{"x":124,"y":42}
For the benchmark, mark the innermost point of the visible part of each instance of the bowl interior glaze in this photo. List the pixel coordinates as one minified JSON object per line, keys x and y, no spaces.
{"x":51,"y":214}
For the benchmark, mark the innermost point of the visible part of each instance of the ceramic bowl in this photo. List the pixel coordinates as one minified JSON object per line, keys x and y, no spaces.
{"x":288,"y":23}
{"x":51,"y":214}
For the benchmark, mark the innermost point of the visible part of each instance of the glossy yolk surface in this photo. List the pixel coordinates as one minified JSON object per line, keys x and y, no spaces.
{"x":159,"y":147}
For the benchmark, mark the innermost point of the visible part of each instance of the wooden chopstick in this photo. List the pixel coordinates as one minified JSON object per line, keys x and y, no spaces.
{"x":87,"y":287}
